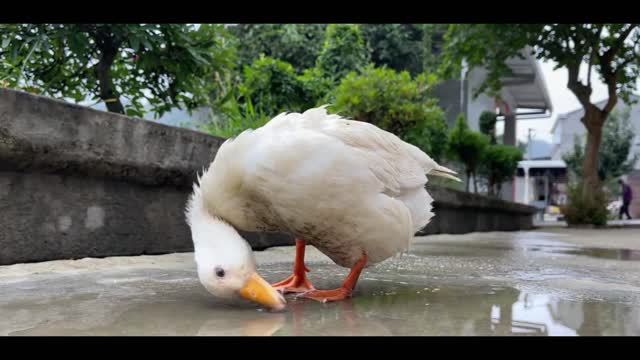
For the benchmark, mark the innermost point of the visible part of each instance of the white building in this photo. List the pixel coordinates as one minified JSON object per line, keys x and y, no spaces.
{"x":541,"y":183}
{"x":523,"y":95}
{"x":567,"y":126}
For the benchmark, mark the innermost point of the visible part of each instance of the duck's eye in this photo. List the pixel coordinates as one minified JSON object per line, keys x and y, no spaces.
{"x":219,"y":272}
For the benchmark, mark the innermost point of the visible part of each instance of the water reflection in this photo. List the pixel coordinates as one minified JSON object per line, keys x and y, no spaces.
{"x":379,"y":308}
{"x":459,"y":311}
{"x":480,"y":250}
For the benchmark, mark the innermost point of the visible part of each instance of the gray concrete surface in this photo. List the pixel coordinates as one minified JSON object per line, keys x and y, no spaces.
{"x":544,"y":282}
{"x":78,"y":182}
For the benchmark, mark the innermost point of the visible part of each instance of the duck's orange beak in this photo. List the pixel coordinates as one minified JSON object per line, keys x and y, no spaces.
{"x":258,"y":290}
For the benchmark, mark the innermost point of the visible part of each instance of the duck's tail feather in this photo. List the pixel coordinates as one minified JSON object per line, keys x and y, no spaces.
{"x":444,"y":172}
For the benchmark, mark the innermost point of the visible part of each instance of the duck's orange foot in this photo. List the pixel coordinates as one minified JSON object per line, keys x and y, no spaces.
{"x":294,"y":284}
{"x":327,"y":295}
{"x":297,"y":282}
{"x":344,"y":291}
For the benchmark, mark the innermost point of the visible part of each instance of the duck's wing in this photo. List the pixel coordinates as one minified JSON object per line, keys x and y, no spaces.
{"x":399,"y":165}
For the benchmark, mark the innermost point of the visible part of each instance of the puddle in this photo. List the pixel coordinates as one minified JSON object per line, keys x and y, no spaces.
{"x":377,"y":308}
{"x":481,"y":250}
{"x":600,"y":253}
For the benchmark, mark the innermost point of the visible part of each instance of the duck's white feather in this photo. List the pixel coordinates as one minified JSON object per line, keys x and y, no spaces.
{"x":344,"y":186}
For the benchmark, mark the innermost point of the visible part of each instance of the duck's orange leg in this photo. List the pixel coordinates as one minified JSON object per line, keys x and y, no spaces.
{"x":297,"y":282}
{"x":345,"y":290}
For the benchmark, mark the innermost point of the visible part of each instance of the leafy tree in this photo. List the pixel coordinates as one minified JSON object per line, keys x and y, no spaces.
{"x":343,"y":51}
{"x":297,"y":44}
{"x":164,"y":65}
{"x":432,"y":40}
{"x":411,"y":47}
{"x":611,"y":50}
{"x":397,"y":46}
{"x":499,"y":164}
{"x":467,"y":147}
{"x":397,"y":103}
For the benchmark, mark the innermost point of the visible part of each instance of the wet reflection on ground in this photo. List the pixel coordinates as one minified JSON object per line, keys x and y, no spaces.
{"x":377,"y":309}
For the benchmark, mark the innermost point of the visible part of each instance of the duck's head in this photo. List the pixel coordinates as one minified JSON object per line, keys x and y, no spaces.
{"x":226,"y":266}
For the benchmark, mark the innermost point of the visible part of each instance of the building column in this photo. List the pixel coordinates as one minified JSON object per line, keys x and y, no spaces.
{"x":509,"y":130}
{"x":526,"y":185}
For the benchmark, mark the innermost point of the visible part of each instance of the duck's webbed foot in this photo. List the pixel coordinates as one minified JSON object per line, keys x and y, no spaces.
{"x":345,"y":290}
{"x":297,"y":282}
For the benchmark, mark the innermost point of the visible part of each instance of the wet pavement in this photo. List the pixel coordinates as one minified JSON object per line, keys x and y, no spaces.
{"x":545,"y":282}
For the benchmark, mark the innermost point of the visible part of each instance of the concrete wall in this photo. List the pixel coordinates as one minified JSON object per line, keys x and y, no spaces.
{"x":460,"y":212}
{"x":77,"y":182}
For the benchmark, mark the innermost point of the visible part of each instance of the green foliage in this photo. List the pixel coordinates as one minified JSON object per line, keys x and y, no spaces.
{"x":158,"y":65}
{"x":343,"y":51}
{"x":432,"y":39}
{"x":236,"y":117}
{"x":617,"y":143}
{"x":397,"y":46}
{"x":297,"y":44}
{"x":499,"y":164}
{"x":467,"y":147}
{"x":316,"y":87}
{"x":394,"y":102}
{"x":487,"y":122}
{"x":582,"y":209}
{"x":272,"y":85}
{"x":429,"y":132}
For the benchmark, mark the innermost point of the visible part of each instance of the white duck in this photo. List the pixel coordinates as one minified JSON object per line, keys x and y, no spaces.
{"x":352,"y":190}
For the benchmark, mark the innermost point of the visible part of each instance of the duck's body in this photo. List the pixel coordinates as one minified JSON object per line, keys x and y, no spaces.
{"x":352,"y":190}
{"x":345,"y":187}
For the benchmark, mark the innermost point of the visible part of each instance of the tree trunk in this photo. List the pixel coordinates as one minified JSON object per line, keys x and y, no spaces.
{"x":468,"y":181}
{"x":107,"y":89}
{"x":593,"y":120}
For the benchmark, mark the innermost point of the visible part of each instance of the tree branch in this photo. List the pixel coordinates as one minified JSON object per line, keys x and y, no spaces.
{"x":582,"y":92}
{"x":610,"y":74}
{"x":620,"y":41}
{"x":613,"y":96}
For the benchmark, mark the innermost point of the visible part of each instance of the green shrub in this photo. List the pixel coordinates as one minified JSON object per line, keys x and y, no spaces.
{"x":394,"y":102}
{"x":316,"y":88}
{"x":585,"y":209}
{"x":467,"y":147}
{"x":235,"y":118}
{"x":498,"y":164}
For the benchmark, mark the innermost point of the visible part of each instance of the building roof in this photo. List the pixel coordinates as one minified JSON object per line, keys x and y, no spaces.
{"x":527,"y":83}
